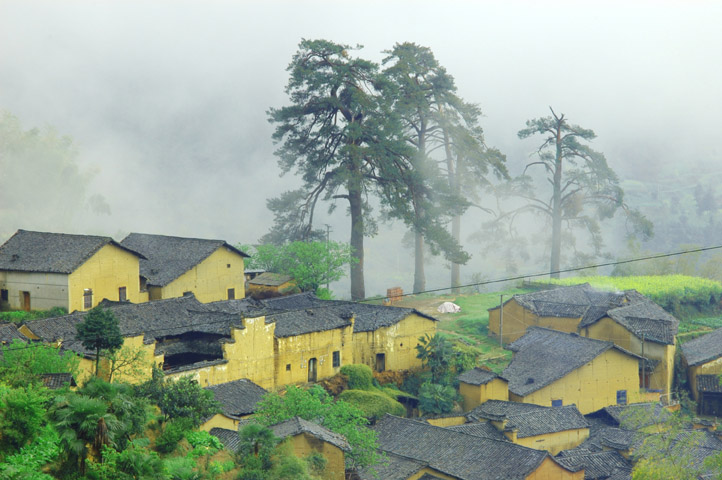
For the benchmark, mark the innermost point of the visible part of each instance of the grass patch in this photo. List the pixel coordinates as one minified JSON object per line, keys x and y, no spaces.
{"x":21,"y":316}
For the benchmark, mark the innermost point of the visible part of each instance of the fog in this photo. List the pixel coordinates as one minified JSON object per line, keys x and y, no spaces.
{"x":166,"y":100}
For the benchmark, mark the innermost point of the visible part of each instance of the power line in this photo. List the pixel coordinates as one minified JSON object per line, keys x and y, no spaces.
{"x":333,"y":304}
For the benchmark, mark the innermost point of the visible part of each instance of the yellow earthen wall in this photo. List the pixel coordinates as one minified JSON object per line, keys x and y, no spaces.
{"x":551,"y":470}
{"x":517,"y":319}
{"x":298,"y":350}
{"x":710,"y":368}
{"x":209,"y":280}
{"x":304,"y":444}
{"x":555,"y":442}
{"x":609,"y":330}
{"x":447,"y":421}
{"x":250,"y":355}
{"x":430,"y":471}
{"x":105,"y":272}
{"x":475,"y":395}
{"x":397,"y":341}
{"x":592,"y":386}
{"x":47,"y":290}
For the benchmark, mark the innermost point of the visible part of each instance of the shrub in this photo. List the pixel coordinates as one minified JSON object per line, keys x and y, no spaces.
{"x":335,"y":385}
{"x":360,"y":377}
{"x":374,"y":404}
{"x":435,"y":398}
{"x":173,"y":432}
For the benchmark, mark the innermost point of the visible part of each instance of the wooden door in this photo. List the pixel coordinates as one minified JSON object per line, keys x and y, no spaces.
{"x":26,"y":301}
{"x":312,"y":372}
{"x":380,"y":362}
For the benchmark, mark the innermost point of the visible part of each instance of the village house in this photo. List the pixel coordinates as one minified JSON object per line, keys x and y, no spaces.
{"x":629,"y":319}
{"x":544,"y":428}
{"x":461,"y":456}
{"x":40,"y":270}
{"x":399,"y":467}
{"x":477,"y":385}
{"x":702,"y":358}
{"x":304,"y":438}
{"x":238,"y":400}
{"x":173,"y":266}
{"x":552,"y":368}
{"x":224,"y":341}
{"x":269,"y":284}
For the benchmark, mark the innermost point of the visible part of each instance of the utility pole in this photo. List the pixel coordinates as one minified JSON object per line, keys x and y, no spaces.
{"x":328,"y":232}
{"x":644,"y":366}
{"x":501,"y":321}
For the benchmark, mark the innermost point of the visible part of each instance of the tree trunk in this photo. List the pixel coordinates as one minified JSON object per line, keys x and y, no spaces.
{"x":358,"y":291}
{"x":456,"y":219}
{"x":557,"y":209}
{"x":419,"y":274}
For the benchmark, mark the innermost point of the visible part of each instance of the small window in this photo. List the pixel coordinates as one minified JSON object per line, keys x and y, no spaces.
{"x":185,"y":294}
{"x":336,"y":359}
{"x":228,"y":265}
{"x":288,"y":367}
{"x":231,"y":294}
{"x":88,"y":298}
{"x":122,"y":296}
{"x":3,"y":295}
{"x":557,"y":403}
{"x":621,"y":397}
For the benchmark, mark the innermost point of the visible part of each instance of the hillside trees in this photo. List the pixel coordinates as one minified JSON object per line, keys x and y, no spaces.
{"x":100,"y":331}
{"x":37,"y":159}
{"x":584,"y":190}
{"x":339,"y":136}
{"x":450,"y":160}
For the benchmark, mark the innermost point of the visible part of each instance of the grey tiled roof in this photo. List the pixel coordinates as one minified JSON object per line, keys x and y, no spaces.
{"x":477,"y":376}
{"x":28,"y":251}
{"x":396,"y":467}
{"x":454,"y":453}
{"x":703,"y":349}
{"x":571,"y":302}
{"x":10,"y":332}
{"x":543,"y":356}
{"x":167,"y":258}
{"x":287,"y":428}
{"x":499,"y":409}
{"x":647,"y":319}
{"x":597,"y":465}
{"x":296,"y":426}
{"x":270,"y":279}
{"x":229,"y":438}
{"x":619,"y":413}
{"x":529,"y":422}
{"x":62,"y":329}
{"x":239,"y":397}
{"x":54,"y":381}
{"x":709,"y":383}
{"x":480,"y":429}
{"x":367,"y":317}
{"x":300,"y":322}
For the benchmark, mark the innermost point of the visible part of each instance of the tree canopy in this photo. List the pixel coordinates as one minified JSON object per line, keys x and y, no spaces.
{"x":100,"y":331}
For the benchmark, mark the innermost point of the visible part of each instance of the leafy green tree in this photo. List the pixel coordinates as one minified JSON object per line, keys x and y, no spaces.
{"x":100,"y":331}
{"x":46,"y":161}
{"x":435,"y":398}
{"x":339,"y":135}
{"x":21,"y":363}
{"x":436,"y":121}
{"x":436,"y":352}
{"x":182,"y":398}
{"x":311,"y":264}
{"x":316,"y":405}
{"x":22,"y":416}
{"x":289,"y":222}
{"x":580,"y":181}
{"x":29,"y":462}
{"x":133,"y":463}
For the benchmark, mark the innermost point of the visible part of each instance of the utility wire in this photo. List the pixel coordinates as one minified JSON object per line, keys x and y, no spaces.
{"x":487,"y":282}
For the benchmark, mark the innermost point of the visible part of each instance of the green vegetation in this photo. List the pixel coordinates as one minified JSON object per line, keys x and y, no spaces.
{"x":671,"y":292}
{"x":21,"y":363}
{"x":373,"y":403}
{"x":21,"y":316}
{"x":100,"y":331}
{"x":338,"y":416}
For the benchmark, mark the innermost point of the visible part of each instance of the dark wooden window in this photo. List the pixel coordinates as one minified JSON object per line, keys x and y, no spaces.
{"x":3,"y":295}
{"x":26,"y":301}
{"x":336,"y":359}
{"x":621,"y":397}
{"x":557,"y":403}
{"x":88,"y":298}
{"x":228,"y":265}
{"x":288,"y":367}
{"x":231,"y":294}
{"x":380,"y":362}
{"x":122,"y":295}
